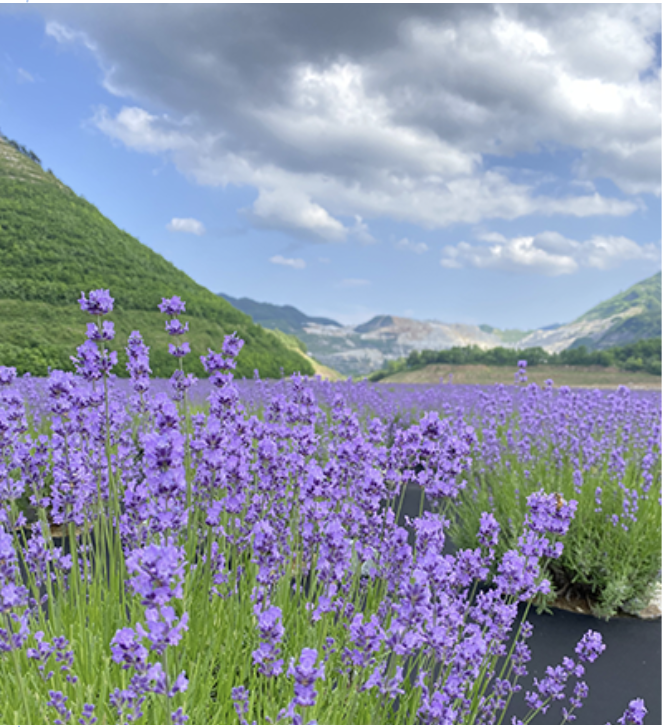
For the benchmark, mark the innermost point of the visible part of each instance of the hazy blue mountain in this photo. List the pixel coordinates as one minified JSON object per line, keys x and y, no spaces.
{"x":284,"y":318}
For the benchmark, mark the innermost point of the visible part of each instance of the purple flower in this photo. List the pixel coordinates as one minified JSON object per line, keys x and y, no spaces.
{"x":215,"y":362}
{"x":127,"y":650}
{"x":488,"y":533}
{"x":128,"y":702}
{"x":172,"y":306}
{"x":590,"y":646}
{"x":59,"y":702}
{"x":159,"y":573}
{"x":271,"y":631}
{"x":175,"y":328}
{"x":163,"y":629}
{"x":7,"y":375}
{"x":180,"y":686}
{"x":41,"y":654}
{"x":87,"y":715}
{"x":232,"y":344}
{"x":138,"y":368}
{"x":516,"y":573}
{"x":305,"y":674}
{"x":635,"y":713}
{"x":270,"y":623}
{"x":240,"y":697}
{"x":179,"y":351}
{"x":105,"y":333}
{"x":181,"y":383}
{"x":178,"y":716}
{"x":93,"y":363}
{"x":549,"y":513}
{"x":99,"y":304}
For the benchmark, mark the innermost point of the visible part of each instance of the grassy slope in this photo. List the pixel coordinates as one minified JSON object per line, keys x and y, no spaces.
{"x":640,"y":309}
{"x":507,"y":335}
{"x":645,"y":294}
{"x":588,"y":376}
{"x":325,"y":372}
{"x":54,"y":244}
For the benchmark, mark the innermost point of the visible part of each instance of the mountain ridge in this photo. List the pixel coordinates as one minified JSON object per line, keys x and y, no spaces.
{"x":285,"y":318}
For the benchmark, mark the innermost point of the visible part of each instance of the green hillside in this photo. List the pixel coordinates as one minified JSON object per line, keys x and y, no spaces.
{"x":54,"y":244}
{"x":645,"y":294}
{"x":507,"y":335}
{"x":639,"y":315}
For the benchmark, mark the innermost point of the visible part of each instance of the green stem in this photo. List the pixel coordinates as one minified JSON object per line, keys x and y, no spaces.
{"x":19,"y":675}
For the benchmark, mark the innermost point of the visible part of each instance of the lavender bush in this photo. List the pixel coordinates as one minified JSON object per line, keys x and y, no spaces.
{"x":602,"y":449}
{"x":242,"y":562}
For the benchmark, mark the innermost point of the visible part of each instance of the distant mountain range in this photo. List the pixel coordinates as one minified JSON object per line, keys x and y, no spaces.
{"x":284,"y":318}
{"x":356,"y":350}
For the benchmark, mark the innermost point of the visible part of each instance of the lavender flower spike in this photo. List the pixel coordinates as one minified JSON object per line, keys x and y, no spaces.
{"x":172,"y":306}
{"x":99,"y":304}
{"x":7,"y":375}
{"x":305,"y":674}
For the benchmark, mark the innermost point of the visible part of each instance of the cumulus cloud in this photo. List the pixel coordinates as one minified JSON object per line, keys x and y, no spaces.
{"x":289,"y":262}
{"x":140,"y":130}
{"x":294,"y":211}
{"x":548,"y":253}
{"x":417,"y":247}
{"x":186,"y":224}
{"x":342,"y":112}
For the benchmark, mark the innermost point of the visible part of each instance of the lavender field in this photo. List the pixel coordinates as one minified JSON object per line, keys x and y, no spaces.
{"x":222,"y":551}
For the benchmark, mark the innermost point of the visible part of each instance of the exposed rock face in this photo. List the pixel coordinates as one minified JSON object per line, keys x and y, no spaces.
{"x":368,"y":347}
{"x":564,"y":336}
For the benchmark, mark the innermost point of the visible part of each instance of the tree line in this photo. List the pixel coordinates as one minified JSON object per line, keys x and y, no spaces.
{"x":642,"y":355}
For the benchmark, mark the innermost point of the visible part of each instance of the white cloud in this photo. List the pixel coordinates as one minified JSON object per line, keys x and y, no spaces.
{"x":23,"y":76}
{"x":416,"y":247}
{"x":309,"y":203}
{"x":609,"y":252}
{"x":63,"y":34}
{"x":186,"y":224}
{"x":547,"y":253}
{"x":140,"y":130}
{"x":290,"y":262}
{"x":292,"y":210}
{"x":354,"y":283}
{"x":361,"y":232}
{"x":388,"y":111}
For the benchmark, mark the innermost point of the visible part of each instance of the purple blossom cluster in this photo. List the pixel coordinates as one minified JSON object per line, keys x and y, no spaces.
{"x":275,"y":512}
{"x":179,"y":381}
{"x":157,"y":574}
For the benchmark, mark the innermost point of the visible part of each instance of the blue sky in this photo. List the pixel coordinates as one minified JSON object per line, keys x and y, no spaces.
{"x":464,"y":163}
